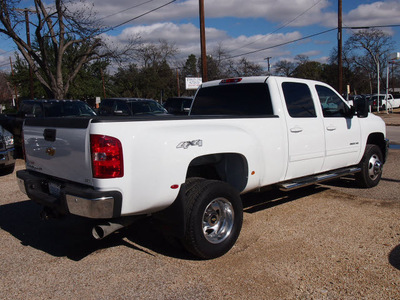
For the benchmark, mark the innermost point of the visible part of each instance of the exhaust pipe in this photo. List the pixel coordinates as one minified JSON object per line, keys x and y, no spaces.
{"x":101,"y":231}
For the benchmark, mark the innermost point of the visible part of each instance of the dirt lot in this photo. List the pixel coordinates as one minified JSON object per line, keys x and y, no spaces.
{"x":392,"y":118}
{"x":331,"y":241}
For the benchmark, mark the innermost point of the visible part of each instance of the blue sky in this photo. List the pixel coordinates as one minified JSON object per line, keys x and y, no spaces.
{"x":241,"y":27}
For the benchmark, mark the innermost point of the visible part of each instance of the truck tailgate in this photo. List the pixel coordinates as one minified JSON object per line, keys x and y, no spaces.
{"x":59,"y":147}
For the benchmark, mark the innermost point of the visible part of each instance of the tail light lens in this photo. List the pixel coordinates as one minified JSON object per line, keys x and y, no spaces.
{"x":107,"y":158}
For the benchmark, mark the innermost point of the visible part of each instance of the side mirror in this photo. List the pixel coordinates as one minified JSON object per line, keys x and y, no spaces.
{"x":362,"y":108}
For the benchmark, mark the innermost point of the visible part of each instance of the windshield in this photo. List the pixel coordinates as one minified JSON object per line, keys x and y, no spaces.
{"x":141,"y":107}
{"x":67,"y":109}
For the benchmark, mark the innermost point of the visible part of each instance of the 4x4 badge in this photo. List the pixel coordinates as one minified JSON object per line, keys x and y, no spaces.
{"x":186,"y":144}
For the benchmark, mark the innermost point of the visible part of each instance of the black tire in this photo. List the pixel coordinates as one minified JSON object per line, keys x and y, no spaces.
{"x":7,"y":170}
{"x":371,"y":167}
{"x":214,"y":217}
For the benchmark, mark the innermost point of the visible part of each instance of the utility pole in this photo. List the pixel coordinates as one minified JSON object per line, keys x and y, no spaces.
{"x":28,"y":41}
{"x":102,"y":79}
{"x":340,"y":60}
{"x":15,"y":87}
{"x":203,"y":42}
{"x":269,"y":66}
{"x":177,"y":82}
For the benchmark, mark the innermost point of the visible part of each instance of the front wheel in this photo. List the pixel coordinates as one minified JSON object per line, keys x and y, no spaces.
{"x":214,"y":216}
{"x":371,"y":167}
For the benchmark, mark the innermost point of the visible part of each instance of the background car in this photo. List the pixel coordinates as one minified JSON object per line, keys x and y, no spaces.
{"x":7,"y":160}
{"x":178,"y":105}
{"x":42,"y":109}
{"x":130,"y":107}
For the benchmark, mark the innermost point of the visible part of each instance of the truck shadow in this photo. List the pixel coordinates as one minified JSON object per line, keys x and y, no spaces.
{"x":351,"y":183}
{"x":71,"y":236}
{"x":394,"y":257}
{"x":257,"y":201}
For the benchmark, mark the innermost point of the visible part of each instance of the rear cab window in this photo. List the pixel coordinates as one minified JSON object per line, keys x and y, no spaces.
{"x":299,"y":101}
{"x":245,"y":99}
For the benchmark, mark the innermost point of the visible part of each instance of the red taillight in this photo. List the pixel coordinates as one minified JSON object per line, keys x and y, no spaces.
{"x":107,"y":159}
{"x":231,"y":80}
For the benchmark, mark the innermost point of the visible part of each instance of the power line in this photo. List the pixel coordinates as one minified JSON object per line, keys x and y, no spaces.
{"x":137,"y":17}
{"x":129,"y":8}
{"x":368,"y":27}
{"x":5,"y":64}
{"x":310,"y":36}
{"x":281,"y":27}
{"x":282,"y":44}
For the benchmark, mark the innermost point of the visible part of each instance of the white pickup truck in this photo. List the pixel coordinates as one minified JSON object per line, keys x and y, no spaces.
{"x":385,"y":101}
{"x":188,"y":172}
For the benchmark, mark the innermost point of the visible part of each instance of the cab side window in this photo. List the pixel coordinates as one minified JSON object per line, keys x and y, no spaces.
{"x":26,"y":109}
{"x":332,"y":105}
{"x":122,"y":107}
{"x":298,"y":100}
{"x":37,"y":110}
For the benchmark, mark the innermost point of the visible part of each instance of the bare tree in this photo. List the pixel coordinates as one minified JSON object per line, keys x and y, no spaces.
{"x":64,"y":40}
{"x":149,"y":55}
{"x":244,"y":67}
{"x":369,"y":50}
{"x":285,"y":68}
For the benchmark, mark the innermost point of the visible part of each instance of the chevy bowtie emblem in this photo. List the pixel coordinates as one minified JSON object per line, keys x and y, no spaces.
{"x":50,"y":151}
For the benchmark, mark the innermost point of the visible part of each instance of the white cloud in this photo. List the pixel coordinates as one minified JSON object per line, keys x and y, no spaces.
{"x":312,"y":53}
{"x":186,"y":38}
{"x":377,"y":13}
{"x":281,"y":11}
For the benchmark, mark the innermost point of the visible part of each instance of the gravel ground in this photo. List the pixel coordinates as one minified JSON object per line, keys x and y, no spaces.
{"x":331,"y":241}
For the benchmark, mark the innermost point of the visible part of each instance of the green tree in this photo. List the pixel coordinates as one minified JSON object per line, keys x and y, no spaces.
{"x":89,"y":81}
{"x":123,"y":82}
{"x":151,"y":76}
{"x":5,"y":89}
{"x":309,"y":70}
{"x":190,"y":67}
{"x":21,"y":78}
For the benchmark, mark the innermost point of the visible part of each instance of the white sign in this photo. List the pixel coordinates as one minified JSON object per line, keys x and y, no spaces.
{"x":394,"y":56}
{"x":192,"y":83}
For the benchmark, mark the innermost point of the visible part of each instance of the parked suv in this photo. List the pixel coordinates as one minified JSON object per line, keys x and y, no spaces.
{"x":129,"y":107}
{"x":178,"y":105}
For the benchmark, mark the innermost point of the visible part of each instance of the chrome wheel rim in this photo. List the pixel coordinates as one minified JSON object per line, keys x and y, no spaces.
{"x":218,"y":218}
{"x":374,"y":167}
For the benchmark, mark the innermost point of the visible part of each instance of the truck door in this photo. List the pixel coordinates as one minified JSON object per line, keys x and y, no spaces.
{"x":305,"y":131}
{"x":342,"y":133}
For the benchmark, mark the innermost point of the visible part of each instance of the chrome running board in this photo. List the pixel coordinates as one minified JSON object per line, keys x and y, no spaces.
{"x":305,"y":181}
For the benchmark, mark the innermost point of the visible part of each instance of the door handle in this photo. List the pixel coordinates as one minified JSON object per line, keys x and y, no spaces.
{"x":331,"y":128}
{"x":296,"y":129}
